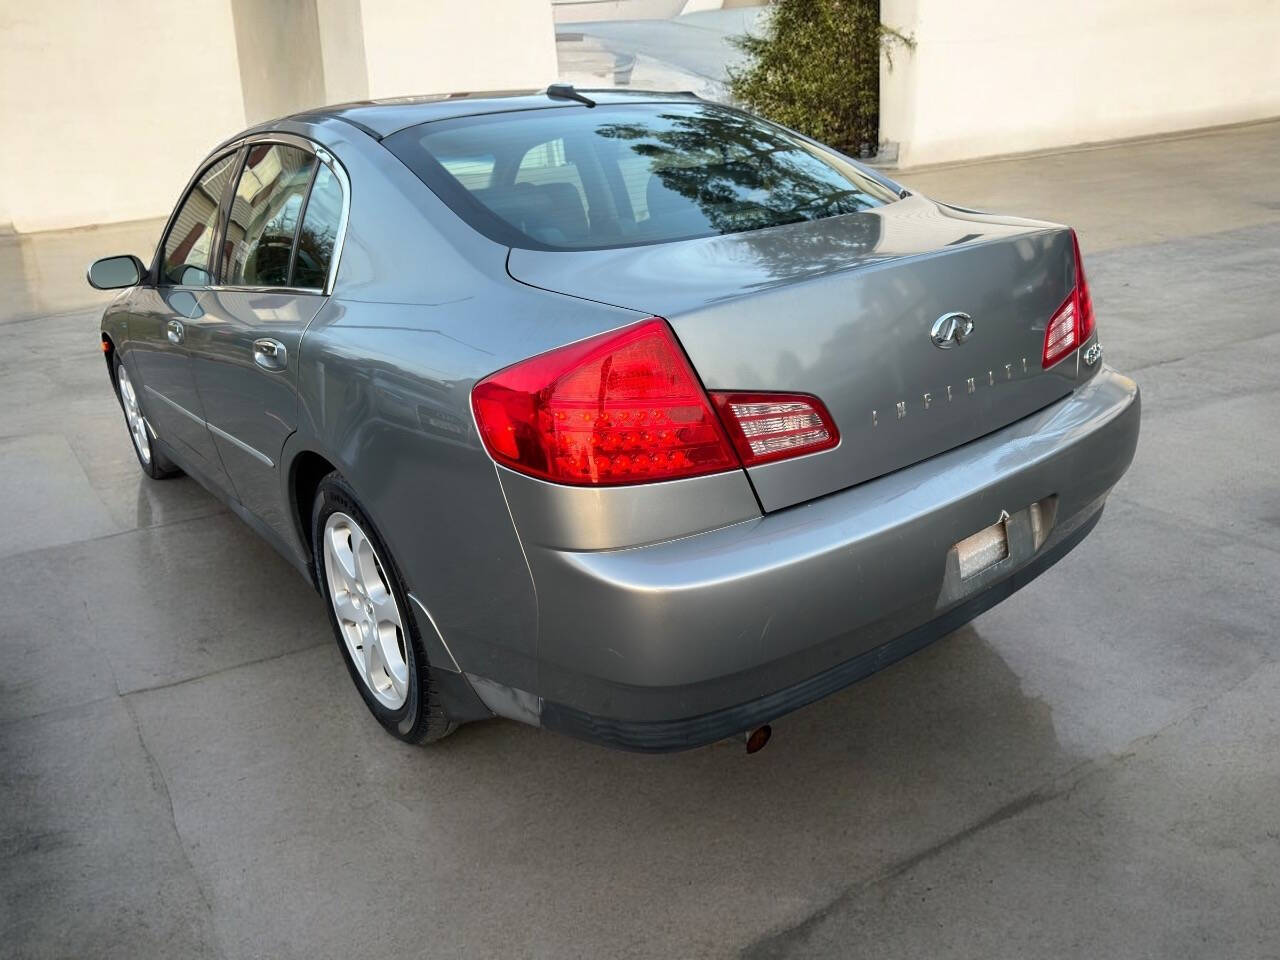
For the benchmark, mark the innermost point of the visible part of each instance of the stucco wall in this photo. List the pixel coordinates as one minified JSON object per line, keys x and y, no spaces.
{"x":278,"y":49}
{"x":1003,"y":76}
{"x":108,"y":107}
{"x":99,"y":127}
{"x":442,"y":46}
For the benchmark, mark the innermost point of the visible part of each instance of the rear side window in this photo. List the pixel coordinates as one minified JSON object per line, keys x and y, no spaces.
{"x":319,"y":231}
{"x":572,"y":178}
{"x":265,"y":213}
{"x":188,"y":247}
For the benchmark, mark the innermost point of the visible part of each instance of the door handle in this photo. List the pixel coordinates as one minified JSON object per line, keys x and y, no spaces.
{"x":173,"y":330}
{"x":270,"y":354}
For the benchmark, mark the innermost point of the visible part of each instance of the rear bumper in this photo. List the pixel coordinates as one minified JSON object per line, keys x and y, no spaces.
{"x":682,"y":642}
{"x":661,"y":736}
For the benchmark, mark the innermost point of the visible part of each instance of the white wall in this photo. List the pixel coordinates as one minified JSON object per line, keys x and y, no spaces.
{"x":100,"y":126}
{"x":278,"y":47}
{"x":1003,"y":76}
{"x":443,"y":46}
{"x":346,"y":73}
{"x":108,"y":105}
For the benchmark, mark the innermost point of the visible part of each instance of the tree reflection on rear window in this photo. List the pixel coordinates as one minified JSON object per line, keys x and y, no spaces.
{"x":576,"y":178}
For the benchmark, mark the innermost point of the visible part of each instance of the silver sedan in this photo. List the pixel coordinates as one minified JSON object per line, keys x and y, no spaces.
{"x":624,"y":414}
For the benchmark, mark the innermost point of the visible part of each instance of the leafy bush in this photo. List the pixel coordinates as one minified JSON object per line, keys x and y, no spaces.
{"x":816,"y":68}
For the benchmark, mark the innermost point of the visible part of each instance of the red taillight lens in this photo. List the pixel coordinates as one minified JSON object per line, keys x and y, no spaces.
{"x":1085,"y":307}
{"x":622,"y":407}
{"x":1073,"y":322}
{"x":773,"y":426}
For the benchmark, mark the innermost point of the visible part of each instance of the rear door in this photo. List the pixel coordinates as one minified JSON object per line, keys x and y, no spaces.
{"x":165,"y":315}
{"x":273,"y":276}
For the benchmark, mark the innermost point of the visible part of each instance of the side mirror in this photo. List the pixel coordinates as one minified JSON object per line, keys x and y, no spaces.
{"x":195,"y":277}
{"x":113,"y":273}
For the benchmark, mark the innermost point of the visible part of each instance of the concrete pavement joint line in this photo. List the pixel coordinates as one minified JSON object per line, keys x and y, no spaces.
{"x":160,"y":784}
{"x":1206,"y":528}
{"x":53,"y":713}
{"x":226,"y":669}
{"x":118,"y":533}
{"x":779,"y":943}
{"x":1216,"y":348}
{"x":68,"y":708}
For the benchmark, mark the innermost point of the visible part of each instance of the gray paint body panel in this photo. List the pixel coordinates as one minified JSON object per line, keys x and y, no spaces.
{"x":842,"y":308}
{"x":659,"y":601}
{"x":709,"y":621}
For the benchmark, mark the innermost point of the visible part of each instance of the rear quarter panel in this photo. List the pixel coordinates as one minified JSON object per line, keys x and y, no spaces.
{"x":422,"y":308}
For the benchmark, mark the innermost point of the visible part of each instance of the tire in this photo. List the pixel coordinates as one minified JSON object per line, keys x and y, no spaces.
{"x":400,"y":693}
{"x":154,"y":463}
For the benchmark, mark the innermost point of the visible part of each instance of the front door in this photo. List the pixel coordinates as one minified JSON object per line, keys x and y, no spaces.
{"x":162,"y":317}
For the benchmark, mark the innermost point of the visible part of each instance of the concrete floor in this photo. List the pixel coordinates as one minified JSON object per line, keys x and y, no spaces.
{"x":1091,"y":769}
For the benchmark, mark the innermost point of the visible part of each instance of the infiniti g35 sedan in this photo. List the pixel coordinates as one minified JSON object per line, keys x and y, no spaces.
{"x":623,"y":414}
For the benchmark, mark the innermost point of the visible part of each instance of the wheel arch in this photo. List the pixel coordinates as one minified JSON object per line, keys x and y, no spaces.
{"x":306,"y":470}
{"x":109,"y":354}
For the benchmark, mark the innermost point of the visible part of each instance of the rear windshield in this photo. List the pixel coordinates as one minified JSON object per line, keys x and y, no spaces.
{"x":612,"y":176}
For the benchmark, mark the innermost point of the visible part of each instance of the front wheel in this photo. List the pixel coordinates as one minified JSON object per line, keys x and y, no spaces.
{"x":369,"y":612}
{"x":154,"y":463}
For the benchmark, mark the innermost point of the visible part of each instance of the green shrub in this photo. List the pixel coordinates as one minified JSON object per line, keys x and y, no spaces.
{"x":816,"y":69}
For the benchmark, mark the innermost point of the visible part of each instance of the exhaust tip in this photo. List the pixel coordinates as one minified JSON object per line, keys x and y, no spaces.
{"x":757,"y":738}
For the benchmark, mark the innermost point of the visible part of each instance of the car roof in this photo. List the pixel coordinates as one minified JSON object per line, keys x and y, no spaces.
{"x":381,"y":118}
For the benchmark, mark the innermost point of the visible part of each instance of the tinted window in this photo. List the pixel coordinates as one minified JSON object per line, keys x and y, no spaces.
{"x":189,"y":245}
{"x":472,"y":172}
{"x":319,"y":231}
{"x":264,"y":215}
{"x":639,"y":173}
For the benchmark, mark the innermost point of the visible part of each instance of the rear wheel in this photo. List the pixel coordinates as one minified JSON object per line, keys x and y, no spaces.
{"x":154,"y":463}
{"x":370,"y":615}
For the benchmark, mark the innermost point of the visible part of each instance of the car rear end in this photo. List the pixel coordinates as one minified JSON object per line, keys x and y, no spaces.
{"x":844,"y":423}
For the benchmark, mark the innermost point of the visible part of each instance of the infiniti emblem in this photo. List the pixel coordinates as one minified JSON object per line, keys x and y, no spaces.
{"x":950,"y":329}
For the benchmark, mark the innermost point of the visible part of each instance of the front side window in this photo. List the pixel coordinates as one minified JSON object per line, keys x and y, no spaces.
{"x":265,"y":211}
{"x":619,"y":175}
{"x":188,"y":247}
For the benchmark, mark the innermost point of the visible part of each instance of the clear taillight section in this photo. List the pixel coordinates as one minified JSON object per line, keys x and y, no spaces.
{"x":1073,"y":322}
{"x":772,"y":426}
{"x":622,"y":407}
{"x":1061,"y":337}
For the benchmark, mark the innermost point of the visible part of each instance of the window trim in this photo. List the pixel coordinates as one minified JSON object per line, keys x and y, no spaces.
{"x":241,"y":145}
{"x":155,"y":273}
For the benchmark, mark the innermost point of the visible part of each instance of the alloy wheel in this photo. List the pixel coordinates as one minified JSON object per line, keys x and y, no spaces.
{"x":133,"y":415}
{"x":366,"y":609}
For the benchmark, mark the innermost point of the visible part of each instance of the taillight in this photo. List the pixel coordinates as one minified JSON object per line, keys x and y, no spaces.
{"x":622,"y":407}
{"x":773,"y":426}
{"x":1082,"y":289}
{"x":1073,"y":322}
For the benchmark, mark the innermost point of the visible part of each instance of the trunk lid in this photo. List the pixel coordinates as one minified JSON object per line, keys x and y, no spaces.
{"x":844,"y":308}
